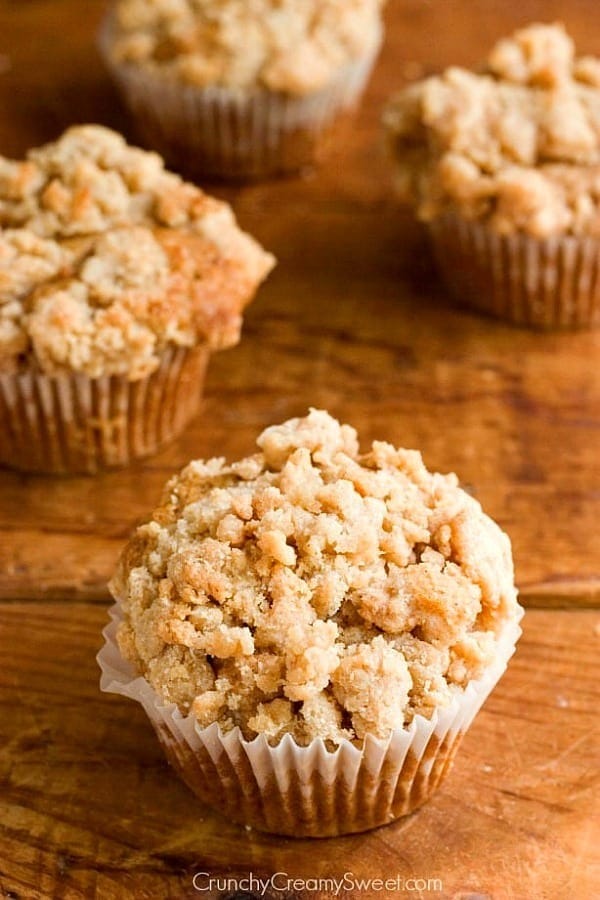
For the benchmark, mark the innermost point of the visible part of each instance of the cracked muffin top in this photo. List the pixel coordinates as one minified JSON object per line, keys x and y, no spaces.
{"x":106,"y":259}
{"x":313,"y":590}
{"x":516,"y":145}
{"x":283,"y":45}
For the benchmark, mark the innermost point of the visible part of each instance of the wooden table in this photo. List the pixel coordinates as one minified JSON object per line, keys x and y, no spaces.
{"x":352,"y":320}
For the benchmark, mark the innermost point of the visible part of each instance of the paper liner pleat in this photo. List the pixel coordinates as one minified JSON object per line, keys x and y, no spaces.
{"x":550,"y":283}
{"x":75,"y":424}
{"x":230,"y":132}
{"x":307,"y":791}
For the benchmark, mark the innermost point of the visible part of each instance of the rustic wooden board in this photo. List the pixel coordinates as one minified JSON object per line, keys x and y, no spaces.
{"x":353,"y":320}
{"x":89,"y":809}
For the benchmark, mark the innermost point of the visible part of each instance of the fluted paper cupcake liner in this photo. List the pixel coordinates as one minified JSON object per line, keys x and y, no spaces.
{"x":551,"y":283}
{"x":71,"y":423}
{"x":234,"y":133}
{"x":307,"y":791}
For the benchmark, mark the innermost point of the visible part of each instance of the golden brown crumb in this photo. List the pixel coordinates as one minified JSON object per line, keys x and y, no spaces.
{"x":372,"y":683}
{"x":106,"y":258}
{"x":282,"y":45}
{"x":276,"y":581}
{"x":517,"y":145}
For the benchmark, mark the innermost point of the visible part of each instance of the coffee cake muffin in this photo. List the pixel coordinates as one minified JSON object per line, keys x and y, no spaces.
{"x":117,"y":280}
{"x":312,"y":630}
{"x":503,"y":166}
{"x":241,"y":88}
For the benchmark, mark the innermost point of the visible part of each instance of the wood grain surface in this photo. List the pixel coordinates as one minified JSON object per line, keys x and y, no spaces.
{"x":88,"y":807}
{"x":353,"y":320}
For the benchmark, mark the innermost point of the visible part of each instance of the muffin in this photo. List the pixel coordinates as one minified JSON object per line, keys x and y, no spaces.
{"x":311,"y":630}
{"x":503,"y":167}
{"x":241,"y":88}
{"x":117,"y":280}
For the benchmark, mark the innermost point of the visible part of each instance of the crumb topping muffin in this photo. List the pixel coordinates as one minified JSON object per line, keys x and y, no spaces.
{"x":106,"y":259}
{"x":282,"y":45}
{"x":313,"y":590}
{"x":516,"y":145}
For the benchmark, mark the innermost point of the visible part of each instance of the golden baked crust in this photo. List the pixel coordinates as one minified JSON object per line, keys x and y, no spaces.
{"x":517,"y":145}
{"x":282,"y":45}
{"x":106,"y":258}
{"x":312,"y":590}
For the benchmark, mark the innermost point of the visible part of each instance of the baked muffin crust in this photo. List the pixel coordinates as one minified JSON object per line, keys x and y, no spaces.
{"x":282,"y":45}
{"x":312,"y":590}
{"x":106,"y":258}
{"x":516,"y":145}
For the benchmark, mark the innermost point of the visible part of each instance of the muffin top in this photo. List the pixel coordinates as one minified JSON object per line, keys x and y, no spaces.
{"x":294,"y":46}
{"x":106,"y":258}
{"x":312,"y":590}
{"x":516,"y":145}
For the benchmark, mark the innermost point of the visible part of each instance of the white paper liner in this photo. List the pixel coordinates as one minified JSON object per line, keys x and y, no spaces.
{"x":551,"y":283}
{"x":307,"y":791}
{"x":229,"y":132}
{"x":72,"y":423}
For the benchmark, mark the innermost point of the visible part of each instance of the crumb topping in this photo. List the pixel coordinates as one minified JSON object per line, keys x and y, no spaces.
{"x":106,"y":258}
{"x":282,"y":45}
{"x":517,"y":145}
{"x":313,"y":590}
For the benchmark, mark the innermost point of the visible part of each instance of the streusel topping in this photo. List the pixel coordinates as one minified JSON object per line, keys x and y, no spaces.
{"x":517,"y":145}
{"x":312,"y":590}
{"x":106,"y":258}
{"x":282,"y":45}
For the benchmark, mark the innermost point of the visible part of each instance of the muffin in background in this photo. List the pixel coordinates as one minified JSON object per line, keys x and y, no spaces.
{"x":503,"y":167}
{"x":117,"y":281}
{"x":311,"y":630}
{"x":241,"y":88}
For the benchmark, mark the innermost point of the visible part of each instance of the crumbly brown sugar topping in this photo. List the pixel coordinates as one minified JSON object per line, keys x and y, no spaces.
{"x":312,"y":590}
{"x":517,"y":145}
{"x":280,"y":44}
{"x":106,"y":258}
